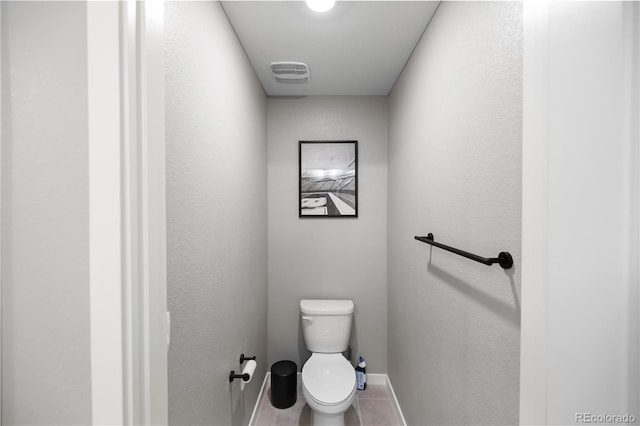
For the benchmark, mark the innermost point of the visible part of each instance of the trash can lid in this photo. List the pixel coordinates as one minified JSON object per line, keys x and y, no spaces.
{"x":284,"y":368}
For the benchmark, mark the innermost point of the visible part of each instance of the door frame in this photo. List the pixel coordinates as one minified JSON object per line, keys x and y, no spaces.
{"x":535,"y":356}
{"x":535,"y":197}
{"x":1,"y":222}
{"x":129,"y":327}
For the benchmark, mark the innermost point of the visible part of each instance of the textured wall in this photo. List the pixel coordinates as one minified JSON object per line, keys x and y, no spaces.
{"x":328,"y":258}
{"x":455,"y":170}
{"x":216,"y":216}
{"x":46,"y":376}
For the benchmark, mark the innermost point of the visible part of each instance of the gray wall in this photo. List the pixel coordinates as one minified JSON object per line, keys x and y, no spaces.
{"x":328,"y":258}
{"x":455,"y":135}
{"x":216,"y":216}
{"x":46,"y":377}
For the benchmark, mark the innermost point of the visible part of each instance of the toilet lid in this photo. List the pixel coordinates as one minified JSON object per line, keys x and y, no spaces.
{"x":329,"y":378}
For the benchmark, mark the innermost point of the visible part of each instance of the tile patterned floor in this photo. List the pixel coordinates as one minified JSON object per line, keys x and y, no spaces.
{"x":372,"y":407}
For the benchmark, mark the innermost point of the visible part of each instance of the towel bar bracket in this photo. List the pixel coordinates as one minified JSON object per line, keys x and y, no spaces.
{"x":506,"y":261}
{"x":504,"y":258}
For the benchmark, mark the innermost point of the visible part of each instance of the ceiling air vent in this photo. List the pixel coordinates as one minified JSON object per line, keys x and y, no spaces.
{"x":290,"y":72}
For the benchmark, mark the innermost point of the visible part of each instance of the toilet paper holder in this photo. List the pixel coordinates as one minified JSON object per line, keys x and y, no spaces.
{"x":233,"y":376}
{"x":245,"y":377}
{"x":246,"y":358}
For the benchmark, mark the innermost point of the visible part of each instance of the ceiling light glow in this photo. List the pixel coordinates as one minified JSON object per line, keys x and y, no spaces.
{"x":320,"y":5}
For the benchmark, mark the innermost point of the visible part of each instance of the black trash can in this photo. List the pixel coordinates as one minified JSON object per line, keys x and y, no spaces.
{"x":284,"y":380}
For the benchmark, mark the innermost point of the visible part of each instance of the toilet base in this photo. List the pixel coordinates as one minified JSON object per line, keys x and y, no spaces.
{"x":323,"y":419}
{"x":332,"y":415}
{"x":329,"y":413}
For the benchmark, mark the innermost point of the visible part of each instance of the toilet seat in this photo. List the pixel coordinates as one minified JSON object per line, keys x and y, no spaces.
{"x":329,"y":379}
{"x":329,"y":408}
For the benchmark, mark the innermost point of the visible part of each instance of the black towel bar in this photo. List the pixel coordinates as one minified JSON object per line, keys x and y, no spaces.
{"x":504,"y":259}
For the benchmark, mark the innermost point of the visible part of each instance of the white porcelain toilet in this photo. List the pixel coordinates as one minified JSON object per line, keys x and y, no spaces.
{"x":328,"y":379}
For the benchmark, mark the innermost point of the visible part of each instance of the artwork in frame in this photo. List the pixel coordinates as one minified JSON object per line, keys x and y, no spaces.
{"x":328,"y":179}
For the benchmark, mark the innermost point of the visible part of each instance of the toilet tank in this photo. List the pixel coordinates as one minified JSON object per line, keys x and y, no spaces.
{"x":326,"y":324}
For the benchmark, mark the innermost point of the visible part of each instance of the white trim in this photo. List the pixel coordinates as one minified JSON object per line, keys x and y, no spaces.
{"x":132,"y":335}
{"x":105,"y":237}
{"x":396,"y":404}
{"x":144,"y":251}
{"x":535,"y":195}
{"x":127,"y":213}
{"x":153,"y":210}
{"x":256,"y":406}
{"x":0,"y":216}
{"x":635,"y":188}
{"x":635,"y":179}
{"x":377,"y":379}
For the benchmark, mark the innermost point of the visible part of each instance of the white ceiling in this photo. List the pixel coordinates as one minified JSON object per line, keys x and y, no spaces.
{"x":356,"y":48}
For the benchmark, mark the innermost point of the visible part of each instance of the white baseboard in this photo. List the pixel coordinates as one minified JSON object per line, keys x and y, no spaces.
{"x":374,"y":379}
{"x":383,"y":379}
{"x":257,"y":404}
{"x":396,"y":405}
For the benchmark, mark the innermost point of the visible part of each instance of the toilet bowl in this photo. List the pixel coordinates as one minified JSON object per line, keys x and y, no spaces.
{"x":329,"y":387}
{"x":328,"y":379}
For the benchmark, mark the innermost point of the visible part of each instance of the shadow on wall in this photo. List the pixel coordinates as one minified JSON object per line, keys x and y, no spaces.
{"x":353,"y":341}
{"x":303,"y":353}
{"x":492,"y":303}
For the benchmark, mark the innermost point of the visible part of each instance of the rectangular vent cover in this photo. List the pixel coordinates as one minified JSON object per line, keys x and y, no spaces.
{"x":290,"y":72}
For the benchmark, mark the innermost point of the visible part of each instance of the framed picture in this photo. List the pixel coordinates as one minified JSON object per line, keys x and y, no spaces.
{"x":328,"y":179}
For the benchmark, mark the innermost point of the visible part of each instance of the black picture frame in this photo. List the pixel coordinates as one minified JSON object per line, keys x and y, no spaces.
{"x":328,"y":179}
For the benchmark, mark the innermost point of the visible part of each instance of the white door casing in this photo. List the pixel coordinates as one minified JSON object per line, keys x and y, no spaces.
{"x":127,"y":213}
{"x":581,"y":211}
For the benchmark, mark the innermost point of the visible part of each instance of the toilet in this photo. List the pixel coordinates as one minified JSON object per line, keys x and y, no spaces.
{"x":328,"y":379}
